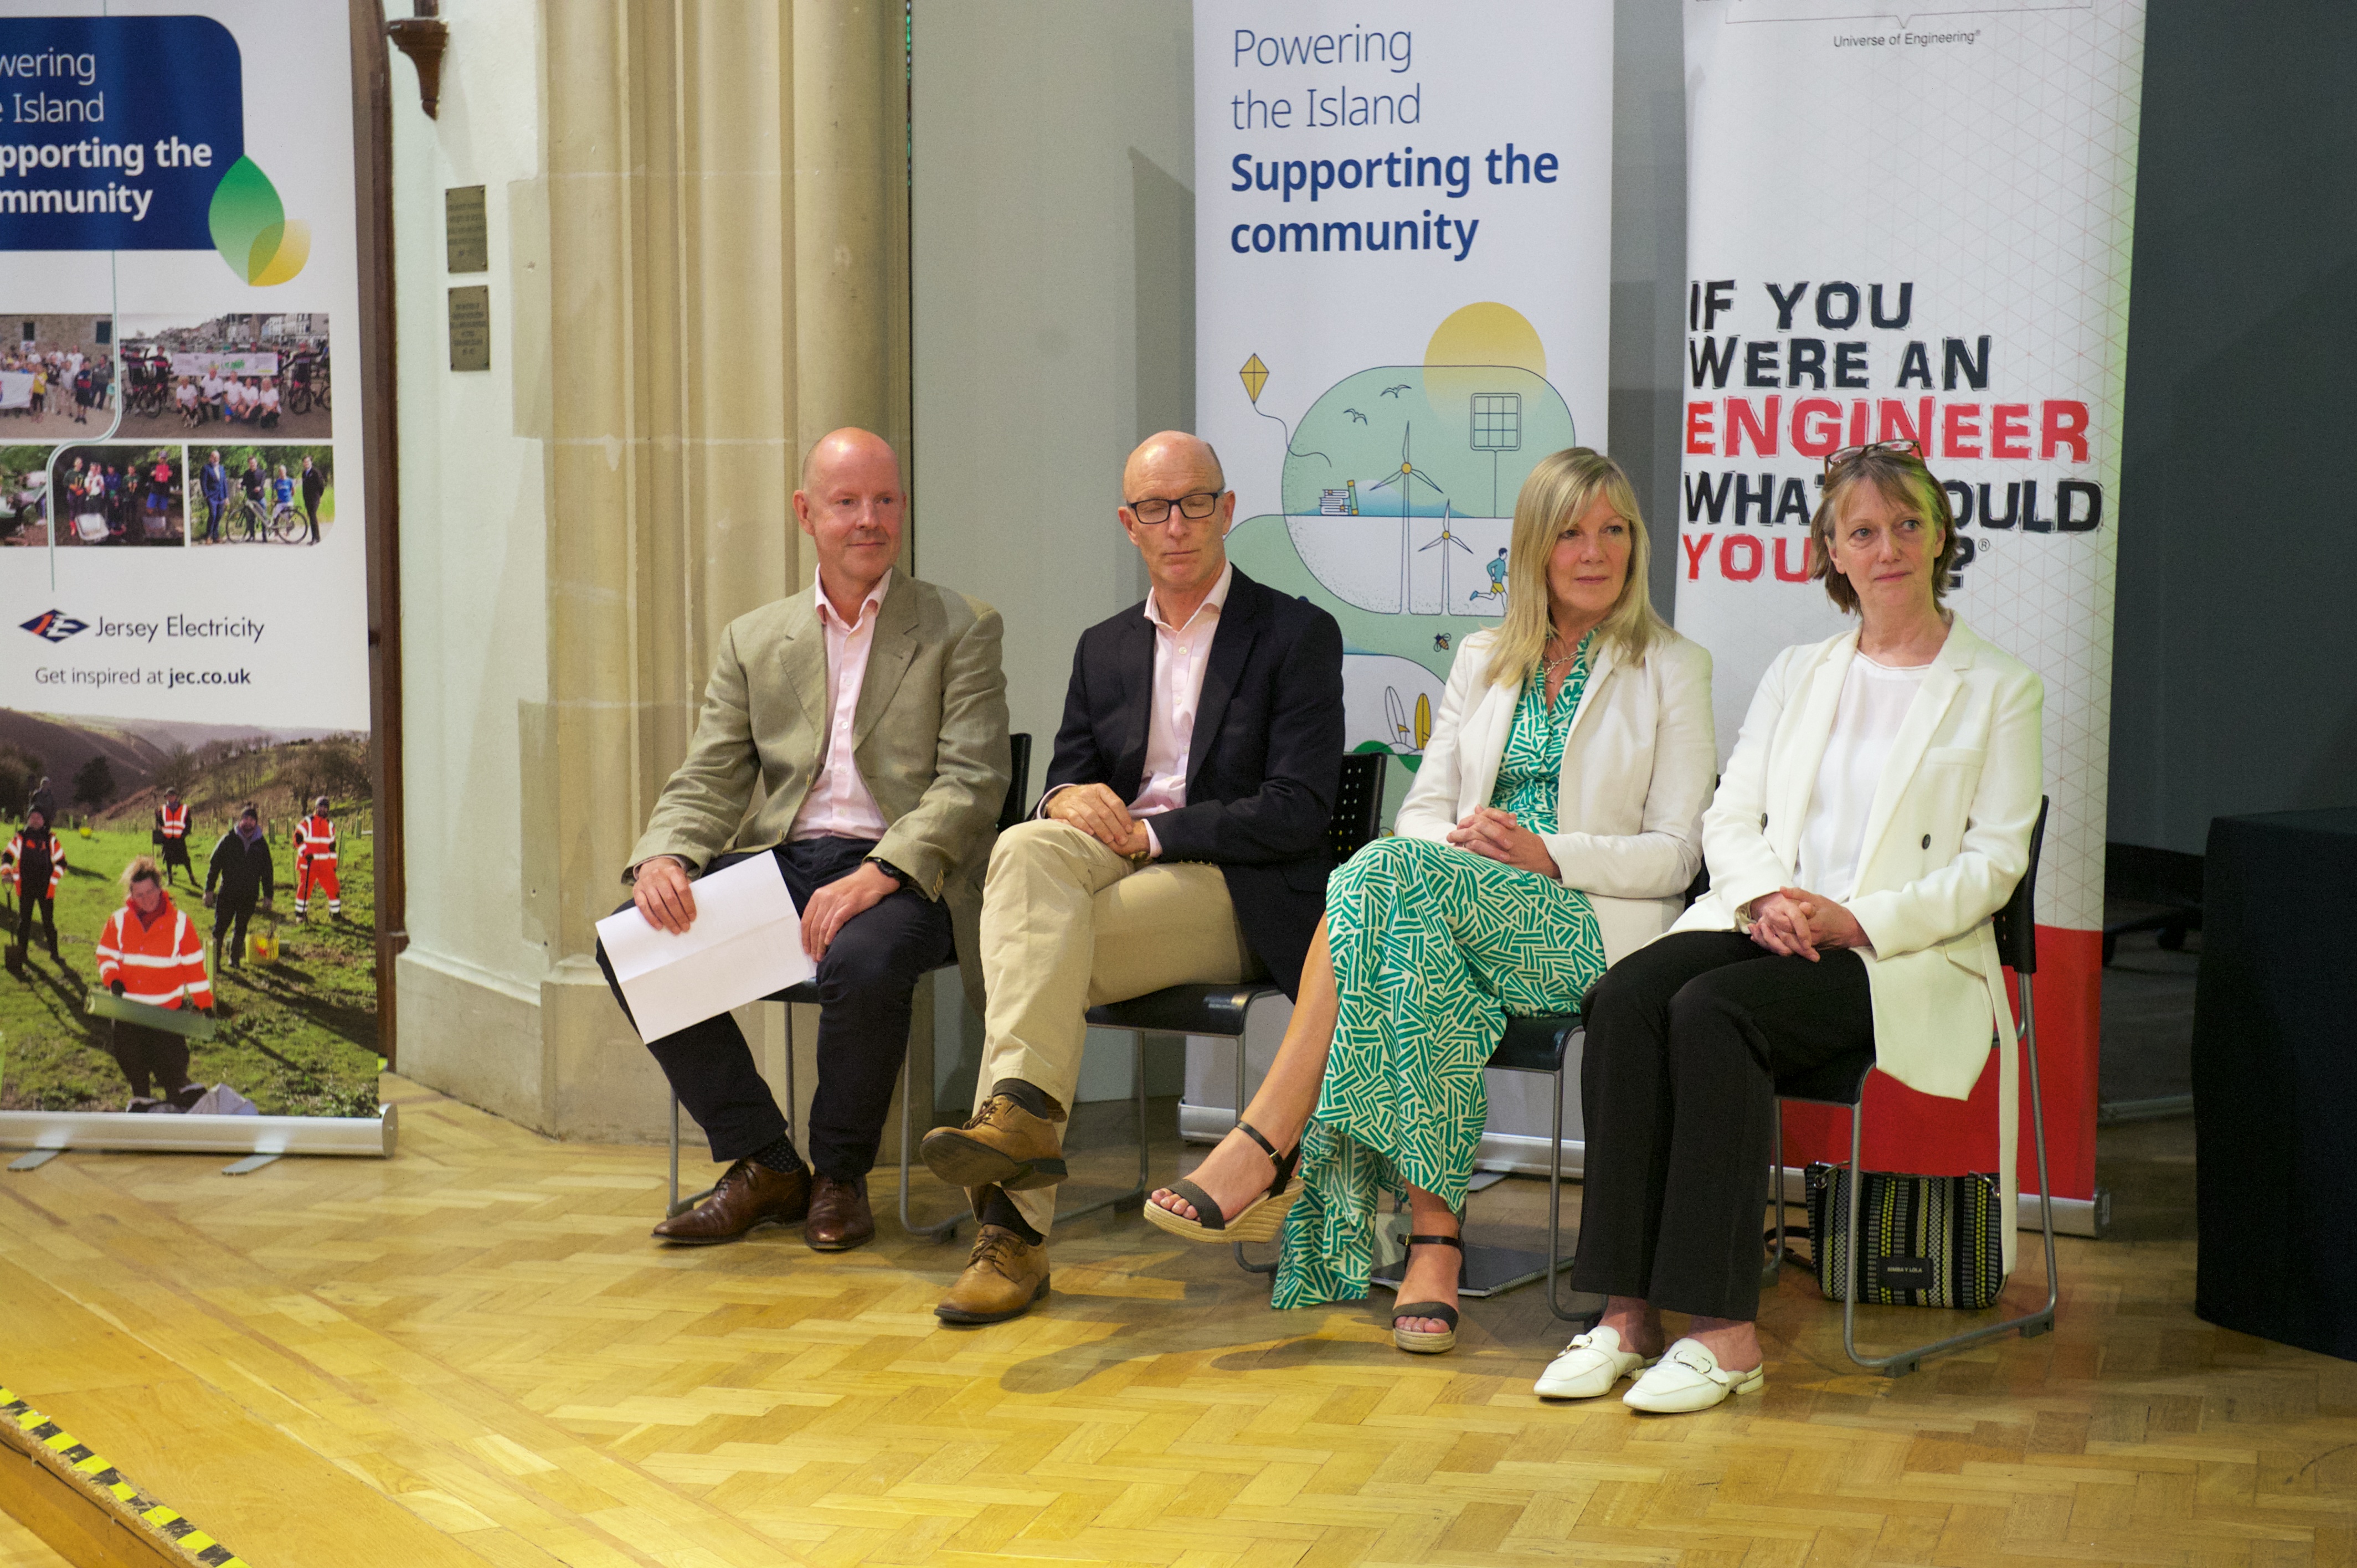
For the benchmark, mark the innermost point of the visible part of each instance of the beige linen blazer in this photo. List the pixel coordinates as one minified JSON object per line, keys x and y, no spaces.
{"x":1947,"y":838}
{"x":929,"y":737}
{"x":1637,"y":765}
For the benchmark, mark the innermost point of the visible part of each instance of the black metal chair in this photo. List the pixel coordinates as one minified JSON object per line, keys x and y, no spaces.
{"x":1540,"y":1046}
{"x":1012,"y":811}
{"x":1843,"y":1083}
{"x":1224,"y":1011}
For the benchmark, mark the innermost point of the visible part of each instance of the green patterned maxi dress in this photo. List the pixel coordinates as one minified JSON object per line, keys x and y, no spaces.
{"x":1433,"y":946}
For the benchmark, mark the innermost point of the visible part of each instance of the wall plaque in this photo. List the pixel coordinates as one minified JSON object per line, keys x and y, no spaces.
{"x":466,"y":232}
{"x":470,"y":328}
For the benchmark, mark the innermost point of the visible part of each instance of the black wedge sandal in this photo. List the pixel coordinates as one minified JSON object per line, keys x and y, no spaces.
{"x":1262,"y":1219}
{"x":1421,"y":1342}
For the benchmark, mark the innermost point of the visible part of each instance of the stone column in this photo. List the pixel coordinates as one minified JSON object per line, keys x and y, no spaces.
{"x":711,"y":306}
{"x":851,"y":219}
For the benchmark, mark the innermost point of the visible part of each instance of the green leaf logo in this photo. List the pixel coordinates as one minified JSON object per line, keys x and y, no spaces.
{"x":250,"y":229}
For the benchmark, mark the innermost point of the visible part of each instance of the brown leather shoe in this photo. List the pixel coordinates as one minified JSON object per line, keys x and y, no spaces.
{"x":1001,"y":1146}
{"x":748,"y":1197}
{"x":1005,"y":1275}
{"x":839,"y":1216}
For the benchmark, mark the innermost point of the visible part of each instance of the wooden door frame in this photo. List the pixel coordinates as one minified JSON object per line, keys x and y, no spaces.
{"x":380,"y":479}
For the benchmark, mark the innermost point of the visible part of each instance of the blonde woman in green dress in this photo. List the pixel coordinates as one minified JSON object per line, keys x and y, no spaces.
{"x":1552,"y":827}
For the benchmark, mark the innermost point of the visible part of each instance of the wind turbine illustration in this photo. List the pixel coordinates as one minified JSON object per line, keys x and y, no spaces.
{"x":1407,"y":471}
{"x":1446,"y":538}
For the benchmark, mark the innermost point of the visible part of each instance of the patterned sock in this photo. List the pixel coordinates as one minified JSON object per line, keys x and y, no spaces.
{"x":778,"y":1154}
{"x":1000,"y":1210}
{"x":1028,"y":1096}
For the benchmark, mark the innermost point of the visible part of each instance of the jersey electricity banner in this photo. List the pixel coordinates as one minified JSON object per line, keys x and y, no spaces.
{"x":1403,"y":256}
{"x":182,"y":553}
{"x":1918,"y":226}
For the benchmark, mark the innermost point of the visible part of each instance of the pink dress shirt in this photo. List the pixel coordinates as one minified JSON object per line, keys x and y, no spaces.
{"x":839,"y":804}
{"x":1181,"y":654}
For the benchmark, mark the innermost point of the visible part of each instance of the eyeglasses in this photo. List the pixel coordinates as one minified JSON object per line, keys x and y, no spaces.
{"x":1154,"y":509}
{"x":1850,"y":454}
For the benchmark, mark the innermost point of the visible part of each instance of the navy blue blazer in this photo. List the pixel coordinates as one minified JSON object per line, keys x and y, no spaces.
{"x":1262,"y":766}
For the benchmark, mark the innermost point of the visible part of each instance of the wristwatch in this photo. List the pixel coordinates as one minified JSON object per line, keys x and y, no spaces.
{"x":894,"y":872}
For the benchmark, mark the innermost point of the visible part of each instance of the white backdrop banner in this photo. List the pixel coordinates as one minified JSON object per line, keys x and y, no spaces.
{"x":1402,"y":300}
{"x":1918,"y":228}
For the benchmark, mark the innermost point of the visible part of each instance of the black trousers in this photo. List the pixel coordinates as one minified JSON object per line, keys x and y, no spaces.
{"x":231,"y":911}
{"x":28,"y":906}
{"x":176,"y":853}
{"x":150,"y":1059}
{"x":1685,"y":1040}
{"x":866,"y":985}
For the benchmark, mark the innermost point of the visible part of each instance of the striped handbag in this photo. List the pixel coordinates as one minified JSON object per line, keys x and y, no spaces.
{"x":1923,"y":1240}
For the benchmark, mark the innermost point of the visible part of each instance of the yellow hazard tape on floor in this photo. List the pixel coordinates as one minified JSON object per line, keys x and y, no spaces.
{"x":25,"y":1427}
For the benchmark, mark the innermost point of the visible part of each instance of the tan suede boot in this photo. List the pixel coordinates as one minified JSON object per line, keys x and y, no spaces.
{"x":1005,"y":1275}
{"x":1001,"y":1146}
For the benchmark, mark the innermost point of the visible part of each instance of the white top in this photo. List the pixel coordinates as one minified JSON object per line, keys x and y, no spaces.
{"x":1874,"y":703}
{"x":839,"y":804}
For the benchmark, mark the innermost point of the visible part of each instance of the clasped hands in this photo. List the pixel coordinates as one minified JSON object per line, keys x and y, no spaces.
{"x":666,"y":898}
{"x":1097,"y":811}
{"x":1794,"y":923}
{"x":1498,"y":835}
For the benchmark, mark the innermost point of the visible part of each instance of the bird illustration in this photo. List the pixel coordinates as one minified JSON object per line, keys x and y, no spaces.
{"x":1354,"y":413}
{"x":1394,"y":391}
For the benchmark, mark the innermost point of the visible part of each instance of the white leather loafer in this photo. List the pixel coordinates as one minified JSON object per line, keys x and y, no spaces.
{"x":1689,"y":1377}
{"x":1588,"y":1367}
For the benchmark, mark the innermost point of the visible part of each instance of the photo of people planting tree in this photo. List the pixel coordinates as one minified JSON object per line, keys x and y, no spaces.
{"x":190,"y":920}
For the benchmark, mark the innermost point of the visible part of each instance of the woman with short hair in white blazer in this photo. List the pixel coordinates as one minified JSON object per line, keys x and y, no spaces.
{"x":1875,"y":813}
{"x":1553,"y":825}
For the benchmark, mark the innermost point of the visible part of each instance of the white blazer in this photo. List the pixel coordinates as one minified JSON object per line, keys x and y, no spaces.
{"x":1637,"y":765}
{"x":1947,"y":838}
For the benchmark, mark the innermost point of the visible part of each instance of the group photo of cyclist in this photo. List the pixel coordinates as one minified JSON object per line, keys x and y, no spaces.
{"x":104,"y":495}
{"x":118,"y":494}
{"x":246,"y":495}
{"x":57,"y":376}
{"x":249,"y":373}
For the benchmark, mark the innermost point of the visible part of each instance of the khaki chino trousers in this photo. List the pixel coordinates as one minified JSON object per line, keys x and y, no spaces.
{"x":1068,"y":925}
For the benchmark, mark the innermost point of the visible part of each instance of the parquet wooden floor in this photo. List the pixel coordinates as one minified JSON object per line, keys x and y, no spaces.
{"x":20,"y":1548}
{"x":473,"y":1353}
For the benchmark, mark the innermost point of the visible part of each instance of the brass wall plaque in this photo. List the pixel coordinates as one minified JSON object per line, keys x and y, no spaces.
{"x":466,"y":232}
{"x":470,"y":328}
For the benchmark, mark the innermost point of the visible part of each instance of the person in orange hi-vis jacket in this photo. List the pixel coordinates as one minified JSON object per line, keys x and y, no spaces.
{"x":151,"y":952}
{"x":33,"y":866}
{"x":315,"y":861}
{"x":173,"y":821}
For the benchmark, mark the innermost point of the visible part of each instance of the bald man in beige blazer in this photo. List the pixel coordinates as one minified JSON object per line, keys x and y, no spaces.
{"x":870,"y":712}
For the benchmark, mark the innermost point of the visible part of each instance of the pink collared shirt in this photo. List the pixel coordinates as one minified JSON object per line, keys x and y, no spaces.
{"x":1181,"y":655}
{"x":839,"y":804}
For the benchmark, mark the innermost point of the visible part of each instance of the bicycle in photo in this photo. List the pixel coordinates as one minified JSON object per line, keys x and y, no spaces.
{"x":289,"y":525}
{"x":245,"y":522}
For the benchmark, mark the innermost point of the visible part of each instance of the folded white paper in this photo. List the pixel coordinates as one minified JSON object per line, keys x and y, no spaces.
{"x":744,"y":943}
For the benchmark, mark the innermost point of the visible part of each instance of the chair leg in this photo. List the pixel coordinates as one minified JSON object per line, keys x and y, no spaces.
{"x":2030,"y":1324}
{"x":1135,"y":1196}
{"x":679,"y":1204}
{"x":1555,"y":1211}
{"x":790,"y":1069}
{"x":947,"y":1228}
{"x":1244,"y":1260}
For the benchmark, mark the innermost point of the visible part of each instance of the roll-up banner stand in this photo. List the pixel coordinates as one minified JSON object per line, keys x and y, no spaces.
{"x":1917,"y":226}
{"x":1403,"y":262}
{"x":183,"y":580}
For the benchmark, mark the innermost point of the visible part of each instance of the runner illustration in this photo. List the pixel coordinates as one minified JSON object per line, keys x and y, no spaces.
{"x":1497,"y":588}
